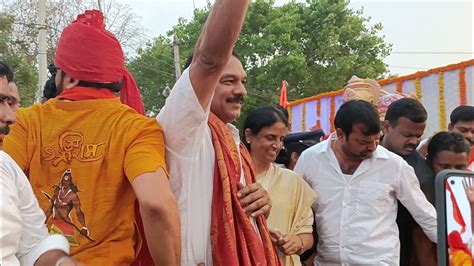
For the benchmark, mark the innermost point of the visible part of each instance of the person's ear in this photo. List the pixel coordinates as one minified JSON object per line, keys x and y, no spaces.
{"x":340,"y":134}
{"x":248,"y":135}
{"x":386,"y":126}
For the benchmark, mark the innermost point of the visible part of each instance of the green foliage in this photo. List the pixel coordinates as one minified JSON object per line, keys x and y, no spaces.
{"x":26,"y":76}
{"x":153,"y":70}
{"x":316,"y":46}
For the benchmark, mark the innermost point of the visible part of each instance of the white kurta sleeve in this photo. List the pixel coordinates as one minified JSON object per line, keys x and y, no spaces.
{"x":183,"y":119}
{"x":411,"y":196}
{"x":35,"y":239}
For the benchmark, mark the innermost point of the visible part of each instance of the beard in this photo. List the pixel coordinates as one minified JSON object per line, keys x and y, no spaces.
{"x":4,"y":130}
{"x":356,"y":155}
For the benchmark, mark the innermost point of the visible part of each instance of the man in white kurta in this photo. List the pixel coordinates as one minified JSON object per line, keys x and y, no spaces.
{"x":218,"y":87}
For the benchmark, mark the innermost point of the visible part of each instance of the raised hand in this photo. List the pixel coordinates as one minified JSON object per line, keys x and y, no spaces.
{"x":468,"y":185}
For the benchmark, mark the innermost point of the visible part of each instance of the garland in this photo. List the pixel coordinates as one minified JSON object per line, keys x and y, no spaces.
{"x":418,"y":88}
{"x":416,"y":75}
{"x":442,"y":108}
{"x":332,"y":113}
{"x":303,"y":117}
{"x":462,"y":86}
{"x":399,"y":87}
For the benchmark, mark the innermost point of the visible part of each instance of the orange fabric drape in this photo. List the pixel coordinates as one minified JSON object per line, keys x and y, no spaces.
{"x":234,"y":240}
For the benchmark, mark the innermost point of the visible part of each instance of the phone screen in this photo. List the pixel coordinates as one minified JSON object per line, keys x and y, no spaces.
{"x":459,"y":206}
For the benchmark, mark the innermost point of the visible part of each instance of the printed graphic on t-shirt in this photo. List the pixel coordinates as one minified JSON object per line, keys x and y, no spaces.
{"x":65,"y":199}
{"x":72,"y":147}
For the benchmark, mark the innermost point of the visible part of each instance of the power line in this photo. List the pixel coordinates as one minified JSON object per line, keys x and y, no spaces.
{"x":407,"y":67}
{"x":429,"y":53}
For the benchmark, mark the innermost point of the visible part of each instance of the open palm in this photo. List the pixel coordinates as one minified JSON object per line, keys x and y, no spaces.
{"x":468,"y":185}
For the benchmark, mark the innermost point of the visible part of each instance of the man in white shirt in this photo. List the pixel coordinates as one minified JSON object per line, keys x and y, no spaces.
{"x":220,"y":204}
{"x":358,"y":183}
{"x":23,"y":235}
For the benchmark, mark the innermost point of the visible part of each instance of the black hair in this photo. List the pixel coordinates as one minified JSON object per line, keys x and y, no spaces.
{"x":262,"y":117}
{"x":408,"y":108}
{"x":114,"y":86}
{"x":447,"y":141}
{"x":358,"y":112}
{"x":190,"y":59}
{"x":284,"y":156}
{"x":462,"y":113}
{"x":6,"y":71}
{"x":49,"y":90}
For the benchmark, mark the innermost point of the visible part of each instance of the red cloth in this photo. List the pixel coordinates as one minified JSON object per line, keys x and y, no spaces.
{"x":88,"y":52}
{"x":130,"y":94}
{"x":234,"y":240}
{"x":455,"y":242}
{"x":457,"y":215}
{"x":283,"y":98}
{"x":86,"y":93}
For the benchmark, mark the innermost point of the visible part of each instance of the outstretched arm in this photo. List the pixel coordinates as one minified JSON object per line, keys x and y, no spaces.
{"x":468,"y":185}
{"x":214,"y":46}
{"x":160,"y":216}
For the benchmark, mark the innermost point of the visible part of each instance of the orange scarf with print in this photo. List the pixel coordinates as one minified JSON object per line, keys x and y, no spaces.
{"x":234,"y":240}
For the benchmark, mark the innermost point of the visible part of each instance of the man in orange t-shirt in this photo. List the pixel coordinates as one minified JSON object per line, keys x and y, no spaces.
{"x":88,"y":156}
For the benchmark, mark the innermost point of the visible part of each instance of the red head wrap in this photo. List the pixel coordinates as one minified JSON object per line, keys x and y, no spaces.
{"x":455,"y":242}
{"x":88,"y":52}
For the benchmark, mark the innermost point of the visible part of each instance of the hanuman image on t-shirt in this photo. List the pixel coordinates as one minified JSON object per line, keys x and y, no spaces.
{"x":58,"y":214}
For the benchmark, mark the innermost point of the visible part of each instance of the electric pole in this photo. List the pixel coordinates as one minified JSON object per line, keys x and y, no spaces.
{"x":100,"y":5}
{"x":42,"y":51}
{"x":177,"y":67}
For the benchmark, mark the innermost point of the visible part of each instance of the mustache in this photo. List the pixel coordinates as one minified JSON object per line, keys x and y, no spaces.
{"x":411,"y":146}
{"x":235,"y":99}
{"x":4,"y":130}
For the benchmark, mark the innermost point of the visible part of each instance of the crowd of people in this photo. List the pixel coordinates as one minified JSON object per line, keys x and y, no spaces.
{"x":87,"y":179}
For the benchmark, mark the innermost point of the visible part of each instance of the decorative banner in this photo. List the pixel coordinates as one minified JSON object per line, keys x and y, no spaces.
{"x":454,"y":84}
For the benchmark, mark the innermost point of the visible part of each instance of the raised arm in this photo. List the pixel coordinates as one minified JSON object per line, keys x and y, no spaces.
{"x":160,"y":216}
{"x":214,"y":46}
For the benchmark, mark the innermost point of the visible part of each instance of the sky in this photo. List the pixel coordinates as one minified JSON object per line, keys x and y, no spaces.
{"x":425,"y":33}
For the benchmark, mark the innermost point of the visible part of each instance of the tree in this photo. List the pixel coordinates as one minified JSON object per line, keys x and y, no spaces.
{"x":153,"y":70}
{"x":316,"y":46}
{"x":119,"y":20}
{"x":23,"y":32}
{"x":25,"y":73}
